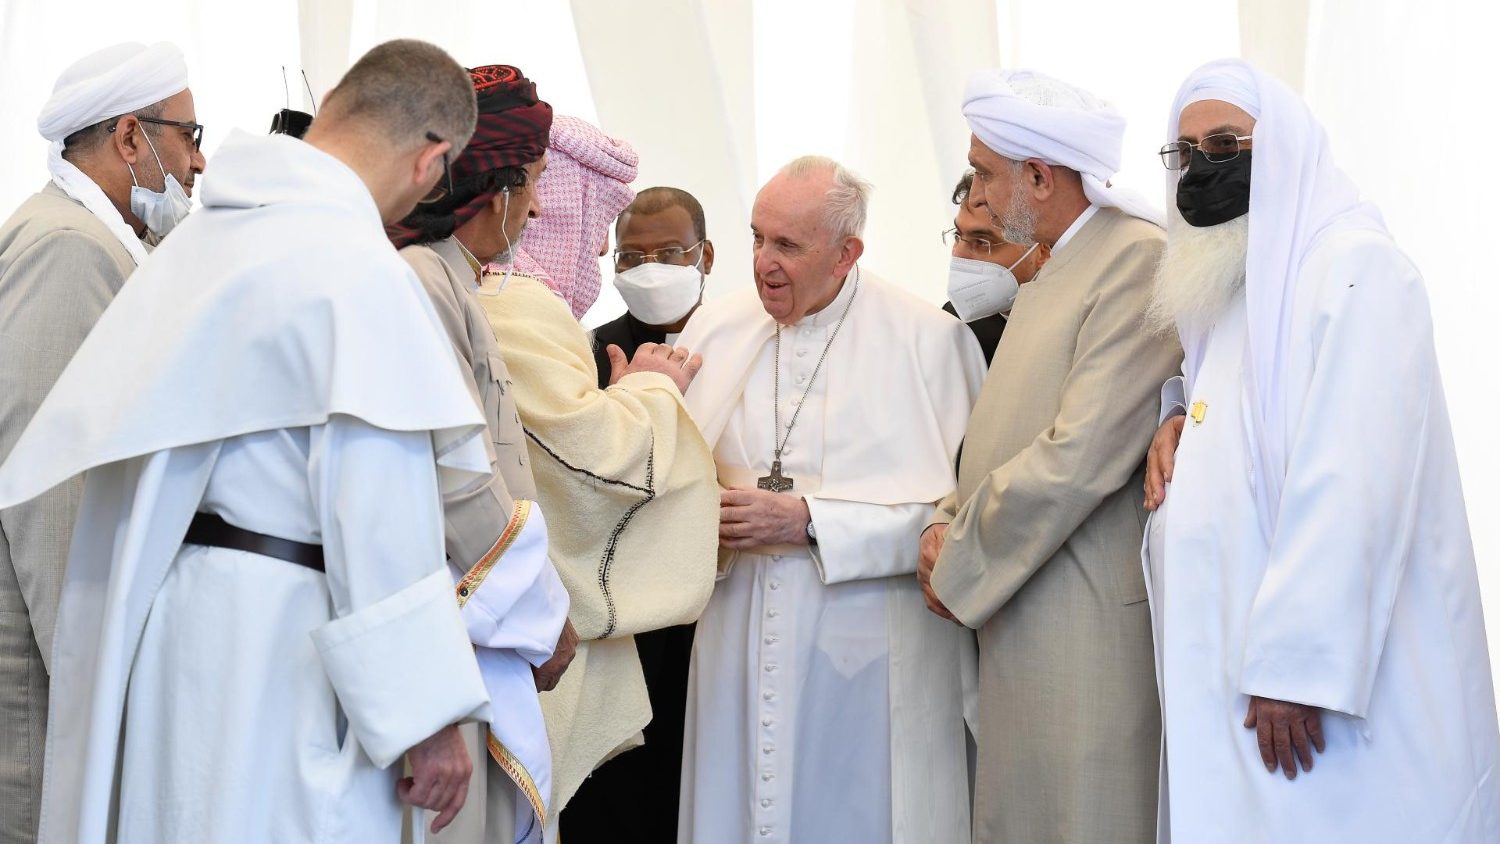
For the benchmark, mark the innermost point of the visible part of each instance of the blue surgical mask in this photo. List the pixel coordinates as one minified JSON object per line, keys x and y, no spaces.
{"x":161,"y":211}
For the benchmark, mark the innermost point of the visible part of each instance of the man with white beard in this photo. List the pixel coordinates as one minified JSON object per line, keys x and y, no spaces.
{"x":1313,"y":585}
{"x":1038,"y":548}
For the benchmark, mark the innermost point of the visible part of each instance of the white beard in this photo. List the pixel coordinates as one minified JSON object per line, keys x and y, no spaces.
{"x":1200,"y":275}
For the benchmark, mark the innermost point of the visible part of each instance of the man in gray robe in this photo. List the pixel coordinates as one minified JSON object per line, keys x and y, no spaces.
{"x":123,"y":160}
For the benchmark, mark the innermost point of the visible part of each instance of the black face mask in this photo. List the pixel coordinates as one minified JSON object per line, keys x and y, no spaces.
{"x":1214,"y":192}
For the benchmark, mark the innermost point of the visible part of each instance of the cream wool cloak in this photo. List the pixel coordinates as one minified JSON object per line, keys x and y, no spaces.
{"x":633,"y":523}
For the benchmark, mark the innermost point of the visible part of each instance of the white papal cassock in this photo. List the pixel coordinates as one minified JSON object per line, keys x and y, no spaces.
{"x":205,"y":694}
{"x":825,"y":701}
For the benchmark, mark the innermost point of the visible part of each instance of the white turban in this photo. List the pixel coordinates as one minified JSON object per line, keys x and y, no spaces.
{"x":1296,"y":196}
{"x":1023,"y":114}
{"x":113,"y":81}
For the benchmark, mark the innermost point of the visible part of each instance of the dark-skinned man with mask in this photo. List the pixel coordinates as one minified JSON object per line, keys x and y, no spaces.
{"x":662,"y":260}
{"x":514,"y":604}
{"x":122,"y":163}
{"x":662,"y":257}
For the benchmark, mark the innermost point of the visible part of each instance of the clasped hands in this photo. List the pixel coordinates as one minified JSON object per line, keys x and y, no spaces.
{"x":677,"y":363}
{"x":753,"y":518}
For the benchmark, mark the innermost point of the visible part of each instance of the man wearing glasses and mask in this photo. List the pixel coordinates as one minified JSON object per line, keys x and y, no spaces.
{"x":986,"y":271}
{"x":123,"y":160}
{"x":662,"y":260}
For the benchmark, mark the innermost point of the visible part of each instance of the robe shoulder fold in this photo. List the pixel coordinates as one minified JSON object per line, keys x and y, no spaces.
{"x":250,"y":319}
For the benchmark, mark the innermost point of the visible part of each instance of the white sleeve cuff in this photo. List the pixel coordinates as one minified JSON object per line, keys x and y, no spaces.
{"x":513,"y":599}
{"x":861,"y":541}
{"x":403,"y":668}
{"x":1173,"y":398}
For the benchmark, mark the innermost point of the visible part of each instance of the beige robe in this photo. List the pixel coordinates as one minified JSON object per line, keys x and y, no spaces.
{"x":59,"y":268}
{"x":475,"y":520}
{"x":1043,"y":553}
{"x":633,"y":503}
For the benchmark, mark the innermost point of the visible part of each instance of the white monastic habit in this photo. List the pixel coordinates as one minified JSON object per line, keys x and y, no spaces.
{"x":1313,"y":545}
{"x":205,"y":694}
{"x":825,"y":703}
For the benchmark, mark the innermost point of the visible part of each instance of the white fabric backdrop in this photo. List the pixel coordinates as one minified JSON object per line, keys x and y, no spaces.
{"x":715,"y":94}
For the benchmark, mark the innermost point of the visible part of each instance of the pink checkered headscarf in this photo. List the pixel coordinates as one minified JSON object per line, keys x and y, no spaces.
{"x":584,"y":188}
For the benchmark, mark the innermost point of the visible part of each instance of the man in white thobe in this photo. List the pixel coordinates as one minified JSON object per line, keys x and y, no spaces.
{"x":824,"y":702}
{"x":1320,"y":642}
{"x":123,"y":129}
{"x":257,"y":623}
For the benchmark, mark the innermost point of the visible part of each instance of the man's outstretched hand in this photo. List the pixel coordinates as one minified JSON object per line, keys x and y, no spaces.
{"x":678,"y":363}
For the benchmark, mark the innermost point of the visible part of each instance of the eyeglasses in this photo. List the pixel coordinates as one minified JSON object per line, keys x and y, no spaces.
{"x":197,"y":128}
{"x":1216,"y":148}
{"x":438,"y":193}
{"x":665,"y":255}
{"x":954,"y":236}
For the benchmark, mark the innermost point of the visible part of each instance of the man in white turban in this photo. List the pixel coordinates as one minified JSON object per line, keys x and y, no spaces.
{"x":1313,"y":587}
{"x":123,"y":157}
{"x":1039,"y":547}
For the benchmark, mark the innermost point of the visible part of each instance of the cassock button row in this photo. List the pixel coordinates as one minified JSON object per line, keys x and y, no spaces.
{"x":771,"y":640}
{"x":768,"y":696}
{"x":765,"y":830}
{"x":768,"y":750}
{"x":770,"y":668}
{"x":767,"y":776}
{"x":765,"y":722}
{"x":772,"y":613}
{"x":775,"y":584}
{"x":802,"y":353}
{"x":765,"y":803}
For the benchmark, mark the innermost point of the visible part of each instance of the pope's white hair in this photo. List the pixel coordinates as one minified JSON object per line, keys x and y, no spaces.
{"x":846,"y":204}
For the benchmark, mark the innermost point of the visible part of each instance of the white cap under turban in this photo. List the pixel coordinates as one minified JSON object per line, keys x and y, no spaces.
{"x":113,"y":81}
{"x":1023,"y":114}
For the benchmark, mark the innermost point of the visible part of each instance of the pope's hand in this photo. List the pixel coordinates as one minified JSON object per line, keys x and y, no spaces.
{"x":1160,"y":460}
{"x":1282,"y":728}
{"x":931,"y":546}
{"x":439,"y":780}
{"x":678,"y":363}
{"x":750,"y":518}
{"x":551,"y":671}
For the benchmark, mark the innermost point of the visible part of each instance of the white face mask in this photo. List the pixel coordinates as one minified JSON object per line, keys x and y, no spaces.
{"x":660,"y":294}
{"x":979,"y":289}
{"x":161,"y":211}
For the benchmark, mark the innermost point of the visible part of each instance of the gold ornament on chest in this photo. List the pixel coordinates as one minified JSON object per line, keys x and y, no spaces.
{"x":1200,"y":410}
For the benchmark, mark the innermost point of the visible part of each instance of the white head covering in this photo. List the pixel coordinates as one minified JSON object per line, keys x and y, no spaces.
{"x":108,"y":83}
{"x":1296,"y":196}
{"x":113,"y":81}
{"x":1023,"y":114}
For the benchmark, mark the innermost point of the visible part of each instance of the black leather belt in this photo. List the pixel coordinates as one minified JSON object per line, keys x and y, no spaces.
{"x":209,"y":529}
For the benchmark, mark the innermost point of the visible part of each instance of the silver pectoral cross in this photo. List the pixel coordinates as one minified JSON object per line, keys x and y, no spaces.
{"x":775,"y":482}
